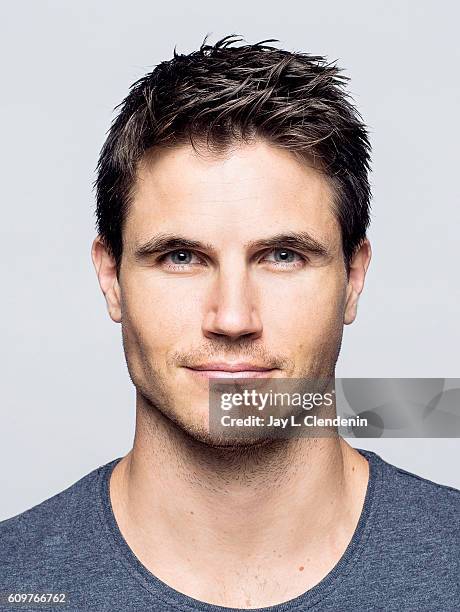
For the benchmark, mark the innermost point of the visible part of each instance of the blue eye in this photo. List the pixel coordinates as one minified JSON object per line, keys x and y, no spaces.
{"x":180,"y":260}
{"x":181,"y":257}
{"x":284,"y":255}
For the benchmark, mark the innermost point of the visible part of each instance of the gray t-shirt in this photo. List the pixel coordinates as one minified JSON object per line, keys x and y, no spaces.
{"x":403,"y":556}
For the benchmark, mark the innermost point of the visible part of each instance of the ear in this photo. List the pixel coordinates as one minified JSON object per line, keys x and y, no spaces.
{"x":104,"y":265}
{"x":358,"y":269}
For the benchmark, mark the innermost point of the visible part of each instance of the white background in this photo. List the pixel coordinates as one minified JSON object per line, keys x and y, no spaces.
{"x":67,"y":404}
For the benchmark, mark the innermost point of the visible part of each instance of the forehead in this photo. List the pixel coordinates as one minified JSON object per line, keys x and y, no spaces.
{"x":251,"y":191}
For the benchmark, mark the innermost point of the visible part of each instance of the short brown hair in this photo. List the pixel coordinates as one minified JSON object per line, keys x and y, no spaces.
{"x":224,"y":93}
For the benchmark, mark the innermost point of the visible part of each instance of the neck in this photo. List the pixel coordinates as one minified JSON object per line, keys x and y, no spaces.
{"x":289,"y":507}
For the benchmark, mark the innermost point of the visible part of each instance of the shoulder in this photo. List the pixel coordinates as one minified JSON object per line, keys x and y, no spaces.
{"x":54,"y":511}
{"x":50,"y":532}
{"x":416,"y":510}
{"x":424,"y":493}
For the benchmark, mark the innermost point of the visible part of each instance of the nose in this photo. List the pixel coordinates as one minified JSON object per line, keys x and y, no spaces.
{"x":231,"y":310}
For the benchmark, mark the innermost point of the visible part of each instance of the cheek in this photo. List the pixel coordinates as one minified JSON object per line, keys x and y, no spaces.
{"x":306,"y":310}
{"x":158,"y":312}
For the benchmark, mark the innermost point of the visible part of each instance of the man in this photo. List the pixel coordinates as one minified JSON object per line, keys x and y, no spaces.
{"x":232,"y":208}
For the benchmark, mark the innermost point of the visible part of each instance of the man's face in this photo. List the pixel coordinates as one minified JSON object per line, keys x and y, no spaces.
{"x":243,"y":276}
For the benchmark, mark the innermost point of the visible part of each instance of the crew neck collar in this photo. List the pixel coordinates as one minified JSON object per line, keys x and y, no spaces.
{"x":177,"y":600}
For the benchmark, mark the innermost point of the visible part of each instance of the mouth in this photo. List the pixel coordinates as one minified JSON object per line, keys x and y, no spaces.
{"x":232,"y":370}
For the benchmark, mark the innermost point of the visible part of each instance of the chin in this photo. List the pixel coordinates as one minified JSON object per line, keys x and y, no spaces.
{"x":201,"y":435}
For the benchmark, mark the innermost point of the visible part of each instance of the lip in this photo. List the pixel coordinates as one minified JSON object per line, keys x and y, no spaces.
{"x":232,"y":370}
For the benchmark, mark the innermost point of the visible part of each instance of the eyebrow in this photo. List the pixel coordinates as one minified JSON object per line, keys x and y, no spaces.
{"x":302,"y":241}
{"x":161,"y":243}
{"x":168,"y":242}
